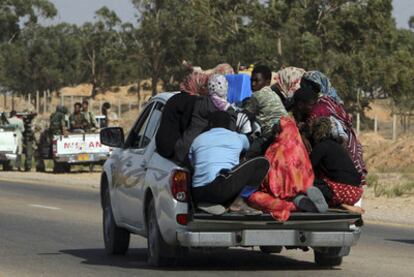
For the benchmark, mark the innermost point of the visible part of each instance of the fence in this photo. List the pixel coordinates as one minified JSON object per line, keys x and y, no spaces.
{"x":46,"y":103}
{"x":398,"y":125}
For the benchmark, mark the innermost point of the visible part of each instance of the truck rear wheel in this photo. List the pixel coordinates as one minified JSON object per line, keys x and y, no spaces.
{"x":116,"y":239}
{"x":157,"y":247}
{"x":331,"y":256}
{"x":7,"y":166}
{"x":271,"y":249}
{"x":61,"y":167}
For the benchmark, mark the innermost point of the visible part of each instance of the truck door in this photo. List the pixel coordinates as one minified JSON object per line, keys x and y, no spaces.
{"x":133,"y":166}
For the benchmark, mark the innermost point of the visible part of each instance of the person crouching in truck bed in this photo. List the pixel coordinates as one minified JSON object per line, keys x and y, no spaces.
{"x":218,"y":177}
{"x":337,"y":176}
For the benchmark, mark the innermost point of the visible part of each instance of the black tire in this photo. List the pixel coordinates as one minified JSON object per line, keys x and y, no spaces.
{"x":7,"y":166}
{"x":328,"y":258}
{"x":271,"y":249}
{"x":116,"y":239}
{"x":61,"y":167}
{"x":155,"y":243}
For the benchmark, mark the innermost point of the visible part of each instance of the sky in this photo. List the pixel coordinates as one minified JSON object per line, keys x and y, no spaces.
{"x":80,"y":11}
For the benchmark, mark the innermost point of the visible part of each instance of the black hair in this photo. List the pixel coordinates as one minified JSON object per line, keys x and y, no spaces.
{"x":85,"y":102}
{"x":13,"y":113}
{"x":106,"y":105}
{"x":307,"y":92}
{"x":220,"y":119}
{"x":264,"y":70}
{"x":78,"y":104}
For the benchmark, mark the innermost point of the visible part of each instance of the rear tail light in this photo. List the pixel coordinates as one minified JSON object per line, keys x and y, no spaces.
{"x":179,"y":185}
{"x":182,"y":219}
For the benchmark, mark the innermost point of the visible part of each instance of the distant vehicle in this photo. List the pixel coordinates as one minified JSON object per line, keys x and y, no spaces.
{"x":8,"y":147}
{"x":85,"y":149}
{"x":143,"y":193}
{"x":75,"y":149}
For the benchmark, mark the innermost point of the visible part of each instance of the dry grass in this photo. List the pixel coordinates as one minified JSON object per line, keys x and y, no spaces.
{"x":389,"y":190}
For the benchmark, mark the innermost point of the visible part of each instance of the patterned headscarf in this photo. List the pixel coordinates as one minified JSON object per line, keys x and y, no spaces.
{"x":195,"y":84}
{"x":326,"y":88}
{"x":288,"y":80}
{"x":217,"y":90}
{"x":223,"y":69}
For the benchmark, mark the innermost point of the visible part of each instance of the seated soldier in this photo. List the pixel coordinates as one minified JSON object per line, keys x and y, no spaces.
{"x":218,"y":176}
{"x":90,"y":116}
{"x":78,"y":121}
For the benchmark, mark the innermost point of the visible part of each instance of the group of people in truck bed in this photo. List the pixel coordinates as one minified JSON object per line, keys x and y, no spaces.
{"x":287,"y":147}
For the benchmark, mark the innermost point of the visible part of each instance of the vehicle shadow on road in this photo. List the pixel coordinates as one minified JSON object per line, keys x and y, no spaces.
{"x":408,"y":241}
{"x":232,"y":259}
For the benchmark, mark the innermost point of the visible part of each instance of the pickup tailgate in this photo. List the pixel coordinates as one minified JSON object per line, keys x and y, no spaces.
{"x":330,"y":229}
{"x":331,"y":220}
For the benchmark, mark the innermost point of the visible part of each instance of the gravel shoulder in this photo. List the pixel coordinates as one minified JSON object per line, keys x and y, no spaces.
{"x":378,"y":209}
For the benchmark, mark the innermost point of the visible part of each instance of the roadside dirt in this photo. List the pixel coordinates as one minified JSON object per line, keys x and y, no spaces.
{"x":378,"y":209}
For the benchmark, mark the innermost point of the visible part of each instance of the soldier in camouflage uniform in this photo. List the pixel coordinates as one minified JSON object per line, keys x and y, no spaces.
{"x":28,"y":139}
{"x":41,"y":137}
{"x":58,"y":121}
{"x":266,"y":107}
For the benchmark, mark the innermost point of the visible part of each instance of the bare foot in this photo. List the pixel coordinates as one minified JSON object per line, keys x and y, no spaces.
{"x":353,"y":209}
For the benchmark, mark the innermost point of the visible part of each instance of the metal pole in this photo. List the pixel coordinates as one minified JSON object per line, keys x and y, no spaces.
{"x":29,"y":98}
{"x":62,"y":99}
{"x":129,"y":106}
{"x":91,"y":105}
{"x":358,"y":124}
{"x":37,"y":102}
{"x":376,"y":124}
{"x":100,"y":106}
{"x":44,"y":101}
{"x":71,"y":103}
{"x":394,"y":127}
{"x":119,"y":108}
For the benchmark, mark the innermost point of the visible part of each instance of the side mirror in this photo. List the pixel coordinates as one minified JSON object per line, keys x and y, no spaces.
{"x":112,"y":137}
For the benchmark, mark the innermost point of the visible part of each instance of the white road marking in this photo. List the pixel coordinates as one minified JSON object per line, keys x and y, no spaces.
{"x":44,"y":207}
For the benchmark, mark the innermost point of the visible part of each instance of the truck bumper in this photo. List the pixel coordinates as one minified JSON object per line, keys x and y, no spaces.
{"x":269,"y":238}
{"x":75,"y":159}
{"x":7,"y":157}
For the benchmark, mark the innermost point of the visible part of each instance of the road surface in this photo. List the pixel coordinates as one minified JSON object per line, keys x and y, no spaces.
{"x":55,"y":230}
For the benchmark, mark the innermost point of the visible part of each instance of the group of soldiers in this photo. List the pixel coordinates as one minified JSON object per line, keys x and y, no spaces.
{"x":35,"y":139}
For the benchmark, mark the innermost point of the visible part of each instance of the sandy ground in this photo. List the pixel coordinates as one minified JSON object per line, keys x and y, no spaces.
{"x":378,"y":209}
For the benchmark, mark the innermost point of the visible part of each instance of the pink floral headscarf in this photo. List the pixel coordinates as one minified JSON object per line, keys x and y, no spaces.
{"x":217,"y":90}
{"x":288,"y":80}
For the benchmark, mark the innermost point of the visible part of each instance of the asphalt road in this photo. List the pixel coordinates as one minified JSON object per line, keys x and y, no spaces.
{"x":56,"y":231}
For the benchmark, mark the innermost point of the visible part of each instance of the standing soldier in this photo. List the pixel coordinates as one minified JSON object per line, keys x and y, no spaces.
{"x":28,"y":139}
{"x":58,"y":121}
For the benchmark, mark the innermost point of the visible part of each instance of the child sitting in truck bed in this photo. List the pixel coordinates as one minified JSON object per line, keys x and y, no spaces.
{"x":265,"y":106}
{"x":333,"y":165}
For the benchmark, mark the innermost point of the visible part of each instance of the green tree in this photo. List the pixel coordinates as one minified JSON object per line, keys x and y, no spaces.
{"x":15,"y":13}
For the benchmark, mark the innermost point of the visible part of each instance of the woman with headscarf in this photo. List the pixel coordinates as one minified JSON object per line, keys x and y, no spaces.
{"x":310,"y":106}
{"x":287,"y":81}
{"x":334,"y":168}
{"x":204,"y":106}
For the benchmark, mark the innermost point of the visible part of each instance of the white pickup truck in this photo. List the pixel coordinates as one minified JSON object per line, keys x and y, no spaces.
{"x":143,"y":193}
{"x":8,"y":147}
{"x":85,"y":149}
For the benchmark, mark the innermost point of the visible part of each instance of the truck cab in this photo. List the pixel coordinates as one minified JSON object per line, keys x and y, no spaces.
{"x":143,"y":193}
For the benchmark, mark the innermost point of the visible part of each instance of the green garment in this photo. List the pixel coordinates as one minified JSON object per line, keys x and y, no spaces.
{"x":90,"y":118}
{"x":57,"y":123}
{"x":266,"y":105}
{"x":78,"y":121}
